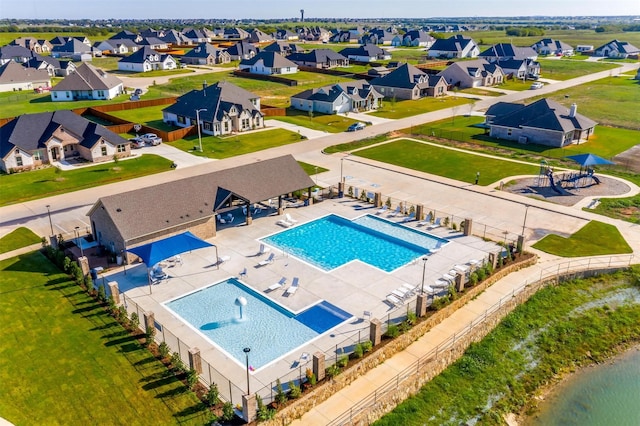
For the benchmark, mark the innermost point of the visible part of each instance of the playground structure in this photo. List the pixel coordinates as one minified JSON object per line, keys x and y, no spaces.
{"x":566,"y":180}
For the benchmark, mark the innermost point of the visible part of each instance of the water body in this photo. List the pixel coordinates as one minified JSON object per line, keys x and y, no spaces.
{"x":606,"y":394}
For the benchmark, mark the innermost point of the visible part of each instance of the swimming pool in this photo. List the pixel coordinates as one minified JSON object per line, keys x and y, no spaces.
{"x":268,"y":329}
{"x":333,"y":241}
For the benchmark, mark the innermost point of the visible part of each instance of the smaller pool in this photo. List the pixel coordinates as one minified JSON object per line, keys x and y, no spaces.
{"x":333,"y":241}
{"x":268,"y":329}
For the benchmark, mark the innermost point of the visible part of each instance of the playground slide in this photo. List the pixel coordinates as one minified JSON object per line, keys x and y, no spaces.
{"x":595,"y":179}
{"x":553,"y":185}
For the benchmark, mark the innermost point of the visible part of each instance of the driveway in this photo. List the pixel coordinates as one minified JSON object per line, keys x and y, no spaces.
{"x":181,"y":158}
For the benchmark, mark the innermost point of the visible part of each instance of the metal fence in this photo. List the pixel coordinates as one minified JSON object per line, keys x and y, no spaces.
{"x":553,"y":274}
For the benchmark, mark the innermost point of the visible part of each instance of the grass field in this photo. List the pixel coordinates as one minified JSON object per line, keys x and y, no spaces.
{"x":19,"y":187}
{"x":141,"y":115}
{"x":568,"y":69}
{"x":331,"y":123}
{"x":445,"y":162}
{"x":230,"y":146}
{"x":6,"y":38}
{"x":18,"y":238}
{"x":63,"y":360}
{"x":400,"y":109}
{"x":594,"y":239}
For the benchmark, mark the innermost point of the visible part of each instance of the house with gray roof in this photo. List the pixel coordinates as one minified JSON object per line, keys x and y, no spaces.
{"x":34,"y":44}
{"x":506,"y":51}
{"x":19,"y":54}
{"x":475,"y":73}
{"x":242,"y":50}
{"x":235,"y":34}
{"x":457,"y":46}
{"x":418,"y":38}
{"x":520,"y":68}
{"x":544,"y":122}
{"x":147,"y":59}
{"x":206,"y":54}
{"x":14,"y":76}
{"x":409,"y":82}
{"x":33,"y":140}
{"x":268,"y":63}
{"x":196,"y":35}
{"x":117,"y":46}
{"x":257,"y":36}
{"x":549,"y":46}
{"x":194,"y":203}
{"x":366,"y":53}
{"x":175,"y":38}
{"x":617,"y":49}
{"x":224,"y":108}
{"x":74,"y":49}
{"x":282,"y":47}
{"x":154,"y":42}
{"x":284,"y":34}
{"x":87,"y":83}
{"x":319,"y":58}
{"x":351,"y":96}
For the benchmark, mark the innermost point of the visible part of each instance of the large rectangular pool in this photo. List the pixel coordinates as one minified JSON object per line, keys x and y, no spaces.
{"x":333,"y":241}
{"x":267,"y":328}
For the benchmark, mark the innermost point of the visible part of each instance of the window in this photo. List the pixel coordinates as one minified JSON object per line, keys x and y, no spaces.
{"x":182,"y":119}
{"x":104,"y":151}
{"x":509,"y":131}
{"x":206,"y":125}
{"x":19,"y":160}
{"x":101,"y":93}
{"x":37,"y":155}
{"x":122,"y":148}
{"x":55,"y":94}
{"x":226,"y":126}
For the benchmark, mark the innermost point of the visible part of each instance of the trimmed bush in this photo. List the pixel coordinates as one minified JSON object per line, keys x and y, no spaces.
{"x":294,"y":391}
{"x":163,"y":349}
{"x":281,"y":397}
{"x":213,"y":395}
{"x":227,"y":412}
{"x":358,"y":351}
{"x":392,"y":331}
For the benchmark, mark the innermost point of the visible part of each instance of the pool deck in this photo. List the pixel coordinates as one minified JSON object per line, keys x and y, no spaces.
{"x":355,"y":287}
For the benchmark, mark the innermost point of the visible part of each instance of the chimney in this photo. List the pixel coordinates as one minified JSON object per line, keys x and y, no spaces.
{"x":572,"y":111}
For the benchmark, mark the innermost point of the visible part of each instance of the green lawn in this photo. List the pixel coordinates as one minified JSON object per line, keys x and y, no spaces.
{"x":63,"y":360}
{"x":564,"y":70}
{"x":480,"y":91}
{"x":401,"y":109}
{"x":107,"y":63}
{"x":7,"y":37}
{"x":18,"y":238}
{"x":20,"y":187}
{"x":445,"y":162}
{"x":156,"y":73}
{"x":515,"y":84}
{"x":141,"y":115}
{"x":594,"y":239}
{"x":331,"y":123}
{"x":230,"y":146}
{"x":311,"y":169}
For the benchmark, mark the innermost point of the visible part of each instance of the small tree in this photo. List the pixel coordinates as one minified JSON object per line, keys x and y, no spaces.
{"x":192,"y":378}
{"x":343,"y":361}
{"x":227,"y":412}
{"x":213,"y":395}
{"x":294,"y":390}
{"x":333,"y":370}
{"x":281,"y":397}
{"x":135,"y":322}
{"x":177,"y":364}
{"x":264,"y":412}
{"x":149,"y":334}
{"x":358,"y":351}
{"x":102,"y":294}
{"x":392,"y":331}
{"x":311,"y":378}
{"x":350,"y":191}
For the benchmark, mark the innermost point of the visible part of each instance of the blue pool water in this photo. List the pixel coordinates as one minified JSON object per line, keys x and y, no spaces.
{"x":269,"y":329}
{"x":332,"y":241}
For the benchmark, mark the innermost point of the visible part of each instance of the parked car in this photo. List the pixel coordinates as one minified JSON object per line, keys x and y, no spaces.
{"x":151,"y":139}
{"x":137,"y":142}
{"x":537,"y":85}
{"x":356,"y":126}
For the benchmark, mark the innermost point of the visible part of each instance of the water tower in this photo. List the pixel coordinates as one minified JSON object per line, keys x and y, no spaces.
{"x":301,"y":15}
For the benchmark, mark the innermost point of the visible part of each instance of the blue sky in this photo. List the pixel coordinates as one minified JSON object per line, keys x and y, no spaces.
{"x":92,"y":9}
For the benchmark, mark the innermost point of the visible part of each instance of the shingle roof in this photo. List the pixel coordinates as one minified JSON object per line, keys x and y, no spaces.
{"x":13,"y":72}
{"x":88,"y":77}
{"x":455,"y":43}
{"x":241,"y":48}
{"x":270,"y":59}
{"x":14,"y":51}
{"x":370,"y":50}
{"x":508,"y":50}
{"x":203,"y":50}
{"x":319,"y":56}
{"x":621,"y":46}
{"x":72,"y":46}
{"x":405,"y":76}
{"x":193,"y":198}
{"x":31,"y":131}
{"x":143,"y":54}
{"x":358,"y":89}
{"x":543,"y":114}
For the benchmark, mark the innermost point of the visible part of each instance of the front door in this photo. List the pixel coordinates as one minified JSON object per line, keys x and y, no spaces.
{"x":54,"y":153}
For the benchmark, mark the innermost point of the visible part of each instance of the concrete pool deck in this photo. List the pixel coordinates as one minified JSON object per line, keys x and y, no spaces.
{"x":355,"y":287}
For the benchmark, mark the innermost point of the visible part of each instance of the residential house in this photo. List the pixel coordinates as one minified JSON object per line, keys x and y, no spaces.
{"x":549,"y":46}
{"x":474,"y":73}
{"x":378,"y":36}
{"x":366,"y":53}
{"x":58,"y":41}
{"x":457,"y":46}
{"x":87,"y":83}
{"x":268,"y":63}
{"x":206,"y":54}
{"x":284,"y":34}
{"x":520,"y":68}
{"x":242,"y":50}
{"x":257,"y":36}
{"x":409,"y":82}
{"x":544,"y":122}
{"x":147,"y":59}
{"x":617,"y":49}
{"x":506,"y":51}
{"x":354,"y":96}
{"x":150,"y":32}
{"x":314,"y":34}
{"x":418,"y":38}
{"x":154,"y":42}
{"x":235,"y":34}
{"x":33,"y":44}
{"x":53,"y":66}
{"x":14,"y":76}
{"x":319,"y":58}
{"x":74,"y":49}
{"x":224,"y":108}
{"x":117,"y":46}
{"x":125,"y":34}
{"x":15,"y":53}
{"x":175,"y":38}
{"x":378,"y":71}
{"x":343,"y":36}
{"x":196,"y":35}
{"x":33,"y":140}
{"x":584,"y":48}
{"x":282,"y":47}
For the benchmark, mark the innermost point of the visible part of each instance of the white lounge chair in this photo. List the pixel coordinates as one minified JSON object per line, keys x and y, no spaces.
{"x":289,"y":219}
{"x":400,"y":293}
{"x":220,"y":219}
{"x":292,"y":288}
{"x":410,"y":288}
{"x":230,"y":218}
{"x":426,"y":221}
{"x":393,"y":300}
{"x":395,"y":212}
{"x":285,"y":223}
{"x":277,"y":285}
{"x":439,"y":283}
{"x":436,"y":224}
{"x":263,"y":249}
{"x":268,"y":260}
{"x":409,"y":218}
{"x":383,"y":209}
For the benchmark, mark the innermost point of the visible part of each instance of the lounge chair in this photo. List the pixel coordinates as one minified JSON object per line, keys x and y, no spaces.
{"x":223,"y":259}
{"x":439,"y":283}
{"x":409,"y":218}
{"x":393,"y":300}
{"x":289,"y":218}
{"x":268,"y":260}
{"x":448,"y":277}
{"x":263,"y":249}
{"x":220,"y":219}
{"x":230,"y":218}
{"x":400,"y":293}
{"x":436,"y":224}
{"x":395,"y":212}
{"x":426,"y":221}
{"x":428,"y":289}
{"x":410,"y":288}
{"x":383,"y":209}
{"x":243,"y":273}
{"x":285,"y":223}
{"x":277,"y":285}
{"x":292,"y":288}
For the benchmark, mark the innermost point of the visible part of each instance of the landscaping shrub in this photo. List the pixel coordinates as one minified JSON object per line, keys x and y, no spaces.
{"x":358,"y":351}
{"x":88,"y":283}
{"x":392,"y":331}
{"x":192,"y":378}
{"x":281,"y":397}
{"x":163,"y":349}
{"x":213,"y":395}
{"x":311,"y":378}
{"x":177,"y":364}
{"x":294,"y":391}
{"x":481,"y":273}
{"x":227,"y":412}
{"x":135,"y":323}
{"x":264,"y":412}
{"x":149,"y":334}
{"x":343,"y":361}
{"x":411,"y":317}
{"x":473,"y":278}
{"x":333,"y":370}
{"x":440,"y":302}
{"x":367,"y":346}
{"x":102,"y":294}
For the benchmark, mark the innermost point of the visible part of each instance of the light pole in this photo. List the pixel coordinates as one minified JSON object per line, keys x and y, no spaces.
{"x":525,"y":218}
{"x":316,"y":175}
{"x":78,"y":241}
{"x":341,"y":166}
{"x":49,"y":213}
{"x":198,"y":123}
{"x":424,"y":268}
{"x":246,"y":356}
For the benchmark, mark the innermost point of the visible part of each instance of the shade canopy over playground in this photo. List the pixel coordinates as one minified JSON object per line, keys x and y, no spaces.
{"x":589,"y":160}
{"x":160,"y":250}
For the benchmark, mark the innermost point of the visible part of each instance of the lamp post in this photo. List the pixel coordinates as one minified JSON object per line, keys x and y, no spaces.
{"x":77,"y":228}
{"x":246,"y":355}
{"x":424,"y":268}
{"x":525,"y":218}
{"x":316,"y":175}
{"x":50,"y":222}
{"x":198,"y":123}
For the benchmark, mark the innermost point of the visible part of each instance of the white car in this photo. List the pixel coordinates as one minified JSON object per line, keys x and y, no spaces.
{"x":151,"y":139}
{"x":537,"y":85}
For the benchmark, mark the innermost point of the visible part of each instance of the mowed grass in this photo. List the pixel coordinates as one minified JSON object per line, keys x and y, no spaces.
{"x":230,"y":146}
{"x":331,"y":123}
{"x":141,"y":115}
{"x":63,"y":360}
{"x":564,"y":70}
{"x":445,"y":162}
{"x":594,"y":239}
{"x":18,"y":238}
{"x":400,"y":109}
{"x":19,"y":187}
